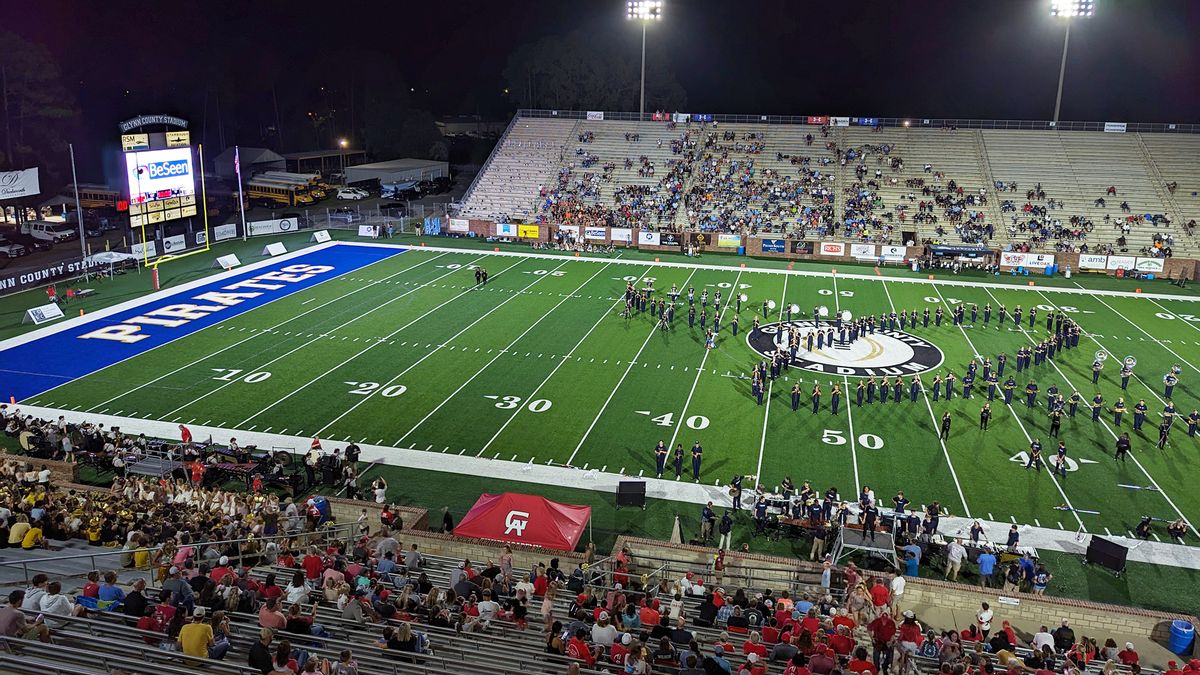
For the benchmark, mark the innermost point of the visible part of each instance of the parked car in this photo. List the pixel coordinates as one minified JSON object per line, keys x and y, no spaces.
{"x":31,"y":243}
{"x":11,"y":249}
{"x":51,"y":232}
{"x":352,"y":193}
{"x":98,"y":228}
{"x":443,"y":184}
{"x":301,"y":219}
{"x":394,"y":206}
{"x":345,"y":216}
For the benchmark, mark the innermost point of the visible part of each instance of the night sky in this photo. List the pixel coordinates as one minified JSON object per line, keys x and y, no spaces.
{"x":1136,"y":60}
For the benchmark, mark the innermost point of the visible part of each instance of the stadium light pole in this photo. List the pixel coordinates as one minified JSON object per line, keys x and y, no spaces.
{"x":643,"y":11}
{"x":343,"y":144}
{"x":1067,"y":10}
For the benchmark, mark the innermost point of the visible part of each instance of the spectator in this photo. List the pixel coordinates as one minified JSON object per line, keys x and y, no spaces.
{"x":196,"y":638}
{"x":13,"y":622}
{"x":1064,"y":637}
{"x":54,"y":602}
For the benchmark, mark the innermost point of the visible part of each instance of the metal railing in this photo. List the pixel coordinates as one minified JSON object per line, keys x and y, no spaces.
{"x":323,"y":535}
{"x":909,"y":122}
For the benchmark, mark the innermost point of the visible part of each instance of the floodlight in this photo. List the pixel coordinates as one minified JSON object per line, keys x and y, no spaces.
{"x":644,"y":10}
{"x":1072,"y":8}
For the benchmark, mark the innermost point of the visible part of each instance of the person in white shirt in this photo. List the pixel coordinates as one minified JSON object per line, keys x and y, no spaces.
{"x":1042,"y":638}
{"x":525,"y":585}
{"x":603,"y":633}
{"x":897,"y":588}
{"x":984,"y":620}
{"x":55,"y":603}
{"x":955,"y":553}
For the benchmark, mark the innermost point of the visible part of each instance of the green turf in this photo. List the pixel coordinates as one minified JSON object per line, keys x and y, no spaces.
{"x":538,"y":366}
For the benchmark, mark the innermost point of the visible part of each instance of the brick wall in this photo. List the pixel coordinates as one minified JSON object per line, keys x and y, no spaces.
{"x":60,"y":472}
{"x":479,"y":551}
{"x":1027,"y":611}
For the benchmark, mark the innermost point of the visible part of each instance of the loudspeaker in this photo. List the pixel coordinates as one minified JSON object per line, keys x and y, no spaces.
{"x":631,"y":493}
{"x":1106,"y":554}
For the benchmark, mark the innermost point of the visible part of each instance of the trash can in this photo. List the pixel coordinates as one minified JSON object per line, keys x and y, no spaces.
{"x":1182,"y":635}
{"x":741,"y":250}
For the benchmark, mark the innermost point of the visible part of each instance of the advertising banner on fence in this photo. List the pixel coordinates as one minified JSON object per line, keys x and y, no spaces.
{"x":700,"y":239}
{"x":595,"y":233}
{"x":818,"y":119}
{"x":201,"y":238}
{"x":1120,"y":262}
{"x":174,"y":244}
{"x":223,"y":232}
{"x":460,"y":225}
{"x":801,"y":247}
{"x":729,"y":241}
{"x":840,"y":121}
{"x":893,"y":252}
{"x":623,"y":235}
{"x":23,"y":183}
{"x":1091,"y":261}
{"x":682,"y":118}
{"x":671,"y":239}
{"x":278,"y":226}
{"x":649,"y":239}
{"x":1012,"y":259}
{"x":832,"y":248}
{"x":369,"y":231}
{"x":595,"y":115}
{"x":1149,"y":265}
{"x":506,"y":230}
{"x":1114,"y":127}
{"x":862,"y":250}
{"x":774,"y":246}
{"x":569,"y":231}
{"x":146,"y":250}
{"x":14,"y":279}
{"x":528,"y":231}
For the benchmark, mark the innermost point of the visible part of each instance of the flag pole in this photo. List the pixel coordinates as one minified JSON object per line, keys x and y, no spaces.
{"x":237,"y":167}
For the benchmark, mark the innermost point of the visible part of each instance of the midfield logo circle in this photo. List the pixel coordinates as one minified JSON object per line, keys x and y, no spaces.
{"x":884,"y":352}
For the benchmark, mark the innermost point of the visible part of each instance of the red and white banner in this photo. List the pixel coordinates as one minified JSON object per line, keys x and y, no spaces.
{"x":818,"y":119}
{"x":525,"y":519}
{"x":1011,"y":259}
{"x":832,"y":248}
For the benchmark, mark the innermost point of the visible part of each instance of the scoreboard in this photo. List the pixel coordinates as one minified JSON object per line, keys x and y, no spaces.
{"x":161,"y":178}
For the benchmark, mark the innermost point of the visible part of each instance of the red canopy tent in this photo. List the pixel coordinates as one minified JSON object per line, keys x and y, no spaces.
{"x":525,"y":519}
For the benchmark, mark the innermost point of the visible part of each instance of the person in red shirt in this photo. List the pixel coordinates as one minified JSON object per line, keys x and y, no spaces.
{"x":911,"y":637}
{"x":883,"y":630}
{"x":1172,"y":669}
{"x":811,"y":622}
{"x":842,"y":618}
{"x":754,"y":645}
{"x":879,"y":594}
{"x":150,"y":622}
{"x":859,"y":664}
{"x":197,"y":473}
{"x":313,"y":564}
{"x":577,"y":648}
{"x":92,"y":588}
{"x":841,"y":641}
{"x":851,"y":576}
{"x":649,"y":614}
{"x":540,"y":584}
{"x":620,"y":648}
{"x":1128,"y":656}
{"x":269,"y":588}
{"x":185,"y":435}
{"x":770,"y":632}
{"x":754,"y":665}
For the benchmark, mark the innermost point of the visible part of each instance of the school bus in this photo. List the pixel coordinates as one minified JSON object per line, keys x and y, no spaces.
{"x":316,"y":188}
{"x":277,"y":194}
{"x":98,"y":197}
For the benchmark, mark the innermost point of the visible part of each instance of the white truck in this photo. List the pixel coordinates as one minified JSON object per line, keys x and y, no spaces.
{"x":51,"y":232}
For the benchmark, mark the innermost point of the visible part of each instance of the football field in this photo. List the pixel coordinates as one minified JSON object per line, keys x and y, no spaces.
{"x":405,"y":351}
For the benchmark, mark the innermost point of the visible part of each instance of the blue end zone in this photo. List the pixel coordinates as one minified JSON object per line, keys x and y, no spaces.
{"x":51,"y":361}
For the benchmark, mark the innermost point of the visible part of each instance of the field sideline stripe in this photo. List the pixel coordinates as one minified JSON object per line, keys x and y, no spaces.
{"x":812,"y":273}
{"x":316,"y":339}
{"x":566,"y":357}
{"x":443,"y":343}
{"x":262,"y":332}
{"x":837,"y":308}
{"x":762,"y":441}
{"x":703,"y":360}
{"x":933,"y":418}
{"x":502,"y":352}
{"x":373,"y":344}
{"x":613,"y":393}
{"x":1133,"y":456}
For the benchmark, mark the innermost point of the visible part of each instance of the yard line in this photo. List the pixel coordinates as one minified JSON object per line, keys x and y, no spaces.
{"x":251,"y":337}
{"x":497,"y":356}
{"x":1114,"y":435}
{"x":1182,"y":360}
{"x":438,"y":348}
{"x":558,"y":365}
{"x":837,"y":308}
{"x":762,"y":442}
{"x":369,"y":348}
{"x":653,"y":329}
{"x":305,"y":344}
{"x":1189,"y":324}
{"x":703,"y":359}
{"x":933,"y":418}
